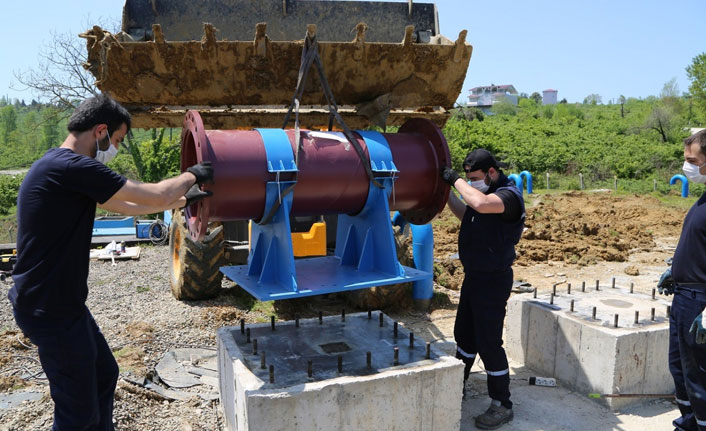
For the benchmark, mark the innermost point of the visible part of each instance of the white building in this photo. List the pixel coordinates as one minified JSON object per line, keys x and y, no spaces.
{"x":550,"y":97}
{"x":489,"y":95}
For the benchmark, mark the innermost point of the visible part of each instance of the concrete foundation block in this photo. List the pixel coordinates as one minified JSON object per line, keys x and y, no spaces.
{"x":419,"y":393}
{"x":592,"y":355}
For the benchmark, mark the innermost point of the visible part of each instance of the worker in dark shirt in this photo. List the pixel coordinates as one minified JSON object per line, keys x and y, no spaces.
{"x":56,"y":207}
{"x":492,"y":216}
{"x":687,"y":280}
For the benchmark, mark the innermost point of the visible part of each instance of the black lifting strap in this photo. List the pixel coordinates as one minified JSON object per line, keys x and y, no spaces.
{"x":310,"y":55}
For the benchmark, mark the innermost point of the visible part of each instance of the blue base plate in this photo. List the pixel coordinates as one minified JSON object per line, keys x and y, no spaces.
{"x":318,"y":276}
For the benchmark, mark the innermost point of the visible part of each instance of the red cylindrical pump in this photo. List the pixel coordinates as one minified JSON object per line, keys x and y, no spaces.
{"x":331,"y":177}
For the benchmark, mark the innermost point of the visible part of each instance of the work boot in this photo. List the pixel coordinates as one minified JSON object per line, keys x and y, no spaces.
{"x":494,"y":417}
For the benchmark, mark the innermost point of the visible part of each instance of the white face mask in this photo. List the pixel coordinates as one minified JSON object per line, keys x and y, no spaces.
{"x":104,"y":156}
{"x":693,"y":174}
{"x":480,"y":185}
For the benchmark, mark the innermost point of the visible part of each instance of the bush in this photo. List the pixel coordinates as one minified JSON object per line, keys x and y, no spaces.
{"x":9,"y":188}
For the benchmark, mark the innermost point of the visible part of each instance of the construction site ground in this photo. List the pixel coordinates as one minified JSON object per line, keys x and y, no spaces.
{"x":571,"y":237}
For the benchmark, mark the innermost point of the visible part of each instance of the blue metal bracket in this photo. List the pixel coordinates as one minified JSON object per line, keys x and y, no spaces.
{"x":365,"y":256}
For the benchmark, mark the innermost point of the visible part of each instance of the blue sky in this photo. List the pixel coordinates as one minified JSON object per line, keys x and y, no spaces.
{"x":579,"y":47}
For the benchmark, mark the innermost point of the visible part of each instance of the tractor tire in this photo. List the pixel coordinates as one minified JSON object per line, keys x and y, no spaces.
{"x":195,"y":265}
{"x":391,"y":296}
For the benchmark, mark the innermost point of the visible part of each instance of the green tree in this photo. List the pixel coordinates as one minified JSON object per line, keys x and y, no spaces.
{"x":593,"y":99}
{"x":696,"y":72}
{"x":536,"y":97}
{"x":8,"y":123}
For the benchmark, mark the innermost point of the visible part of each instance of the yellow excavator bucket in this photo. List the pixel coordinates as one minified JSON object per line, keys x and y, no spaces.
{"x":158,"y":67}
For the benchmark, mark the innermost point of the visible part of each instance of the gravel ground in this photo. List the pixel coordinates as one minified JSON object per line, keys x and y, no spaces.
{"x":133,"y":305}
{"x":134,"y":308}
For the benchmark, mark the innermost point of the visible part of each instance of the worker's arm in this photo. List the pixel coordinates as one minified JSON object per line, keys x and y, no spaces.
{"x":131,"y":208}
{"x":484,"y":204}
{"x":456,"y":205}
{"x":164,"y":193}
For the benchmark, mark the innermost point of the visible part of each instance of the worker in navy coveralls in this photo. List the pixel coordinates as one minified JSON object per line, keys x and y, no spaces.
{"x":56,"y":206}
{"x":492,"y":216}
{"x":687,"y":280}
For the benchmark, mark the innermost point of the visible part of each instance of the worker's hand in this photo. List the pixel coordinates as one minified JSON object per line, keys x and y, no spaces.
{"x":195,"y":194}
{"x":698,"y":328}
{"x":449,"y":175}
{"x":203,"y":172}
{"x":665,"y":285}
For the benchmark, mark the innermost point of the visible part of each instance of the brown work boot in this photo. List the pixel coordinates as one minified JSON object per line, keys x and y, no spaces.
{"x":494,"y":417}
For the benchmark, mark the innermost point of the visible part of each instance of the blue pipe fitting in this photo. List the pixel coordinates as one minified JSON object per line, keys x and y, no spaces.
{"x":684,"y":184}
{"x":516,"y":178}
{"x":528,"y":178}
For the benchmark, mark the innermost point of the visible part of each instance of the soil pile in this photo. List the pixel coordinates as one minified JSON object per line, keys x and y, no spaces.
{"x":574,"y":227}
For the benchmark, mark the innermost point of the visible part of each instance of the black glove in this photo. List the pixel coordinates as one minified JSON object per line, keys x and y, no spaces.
{"x":195,"y":194}
{"x":203,"y":172}
{"x":449,"y":175}
{"x":665,"y":285}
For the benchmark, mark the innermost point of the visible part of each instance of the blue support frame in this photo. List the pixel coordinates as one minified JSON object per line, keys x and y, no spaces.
{"x":365,"y":256}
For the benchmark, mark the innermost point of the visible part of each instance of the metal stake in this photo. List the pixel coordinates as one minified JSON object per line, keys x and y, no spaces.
{"x":598,"y":287}
{"x":613,"y":283}
{"x":394,"y":330}
{"x":381,"y":319}
{"x":593,"y":315}
{"x":397,"y":356}
{"x":254,"y":346}
{"x":321,"y":318}
{"x":652,"y":317}
{"x":572,"y":306}
{"x":340,"y":364}
{"x":637,"y":317}
{"x":632,"y":287}
{"x":343,"y":314}
{"x":428,"y":350}
{"x":554,"y":289}
{"x":370,"y":314}
{"x":535,"y":293}
{"x":615,"y":325}
{"x":369,"y":360}
{"x":272,"y":373}
{"x":411,"y":340}
{"x":551,"y":299}
{"x":653,"y":293}
{"x":262,"y":360}
{"x":242,"y":326}
{"x":296,"y":320}
{"x":583,"y":286}
{"x":309,"y":368}
{"x":272,"y":322}
{"x":247,"y":335}
{"x":568,"y":289}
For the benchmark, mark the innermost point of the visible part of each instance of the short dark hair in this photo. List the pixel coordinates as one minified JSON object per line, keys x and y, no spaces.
{"x":98,"y":110}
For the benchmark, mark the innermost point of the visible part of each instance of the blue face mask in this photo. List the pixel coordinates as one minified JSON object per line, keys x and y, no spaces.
{"x":104,"y":156}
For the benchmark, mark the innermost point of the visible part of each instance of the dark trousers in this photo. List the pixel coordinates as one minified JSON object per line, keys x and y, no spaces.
{"x":80,"y":367}
{"x":479,"y":328}
{"x":687,"y":360}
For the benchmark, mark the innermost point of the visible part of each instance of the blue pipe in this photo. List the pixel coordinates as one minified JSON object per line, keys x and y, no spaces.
{"x":528,"y":177}
{"x":423,"y":254}
{"x":516,"y":178}
{"x":684,"y":184}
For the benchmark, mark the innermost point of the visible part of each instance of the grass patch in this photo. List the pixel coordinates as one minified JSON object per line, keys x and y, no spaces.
{"x":142,"y":289}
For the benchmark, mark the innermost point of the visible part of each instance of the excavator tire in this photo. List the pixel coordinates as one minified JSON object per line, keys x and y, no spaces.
{"x":396,"y":295}
{"x":195,"y":265}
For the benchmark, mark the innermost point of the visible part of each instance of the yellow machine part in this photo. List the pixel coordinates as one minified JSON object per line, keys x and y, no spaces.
{"x":312,"y":243}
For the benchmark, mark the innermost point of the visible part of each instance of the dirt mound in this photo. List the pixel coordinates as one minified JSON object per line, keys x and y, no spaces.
{"x":574,"y":227}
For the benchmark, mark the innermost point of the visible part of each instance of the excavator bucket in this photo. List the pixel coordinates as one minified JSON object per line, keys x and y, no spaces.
{"x":238,"y":61}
